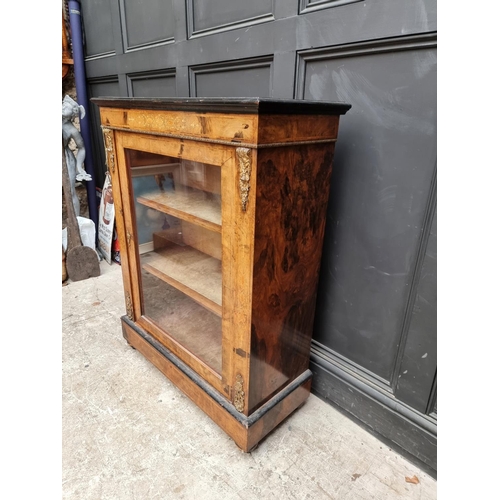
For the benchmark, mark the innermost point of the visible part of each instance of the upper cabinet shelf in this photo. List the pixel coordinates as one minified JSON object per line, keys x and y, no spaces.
{"x":198,"y":207}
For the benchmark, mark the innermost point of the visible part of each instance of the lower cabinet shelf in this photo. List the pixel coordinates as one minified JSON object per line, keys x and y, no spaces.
{"x":192,"y":272}
{"x":194,"y":327}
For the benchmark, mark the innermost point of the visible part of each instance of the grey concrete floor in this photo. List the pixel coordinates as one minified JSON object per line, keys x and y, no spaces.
{"x":128,"y":433}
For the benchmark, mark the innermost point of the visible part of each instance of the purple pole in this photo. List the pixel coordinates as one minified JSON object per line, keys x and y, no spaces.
{"x":81,"y":97}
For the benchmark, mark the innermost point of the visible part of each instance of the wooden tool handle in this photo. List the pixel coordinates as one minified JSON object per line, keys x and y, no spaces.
{"x":74,"y":239}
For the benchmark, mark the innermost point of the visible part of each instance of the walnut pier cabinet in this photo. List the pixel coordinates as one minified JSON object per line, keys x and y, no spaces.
{"x":220,"y":212}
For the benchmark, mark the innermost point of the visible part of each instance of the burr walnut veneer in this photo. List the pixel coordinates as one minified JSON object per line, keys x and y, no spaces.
{"x":220,"y":212}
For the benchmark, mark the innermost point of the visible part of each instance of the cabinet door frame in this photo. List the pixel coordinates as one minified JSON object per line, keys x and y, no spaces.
{"x":193,"y":150}
{"x":239,"y":183}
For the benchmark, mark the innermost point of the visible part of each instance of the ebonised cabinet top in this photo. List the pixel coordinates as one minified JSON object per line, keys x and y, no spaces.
{"x":254,"y":105}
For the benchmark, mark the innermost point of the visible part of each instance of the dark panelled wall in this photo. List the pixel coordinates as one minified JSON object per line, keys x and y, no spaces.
{"x":374,"y":346}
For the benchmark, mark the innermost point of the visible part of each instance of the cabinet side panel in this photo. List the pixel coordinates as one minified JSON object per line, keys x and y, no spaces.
{"x":292,"y":196}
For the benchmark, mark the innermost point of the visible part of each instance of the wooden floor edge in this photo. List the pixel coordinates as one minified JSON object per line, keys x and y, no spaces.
{"x":247,"y":432}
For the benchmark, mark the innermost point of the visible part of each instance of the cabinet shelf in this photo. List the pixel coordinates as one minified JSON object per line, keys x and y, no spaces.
{"x":157,"y":169}
{"x":168,"y":308}
{"x":193,"y":206}
{"x":192,"y":272}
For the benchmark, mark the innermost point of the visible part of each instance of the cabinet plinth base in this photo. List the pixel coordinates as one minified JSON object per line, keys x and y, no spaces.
{"x":246,"y":431}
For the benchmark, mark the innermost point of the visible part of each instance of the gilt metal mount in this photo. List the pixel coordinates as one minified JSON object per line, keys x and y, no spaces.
{"x":239,"y":394}
{"x":245,"y":168}
{"x":110,"y":148}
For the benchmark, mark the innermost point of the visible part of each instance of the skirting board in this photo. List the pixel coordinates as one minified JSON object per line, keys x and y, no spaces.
{"x":359,"y":402}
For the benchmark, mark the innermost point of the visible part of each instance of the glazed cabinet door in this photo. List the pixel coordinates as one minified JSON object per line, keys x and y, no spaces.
{"x":172,"y":208}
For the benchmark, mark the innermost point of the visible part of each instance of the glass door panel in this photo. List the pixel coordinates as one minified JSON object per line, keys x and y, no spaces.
{"x":177,"y":207}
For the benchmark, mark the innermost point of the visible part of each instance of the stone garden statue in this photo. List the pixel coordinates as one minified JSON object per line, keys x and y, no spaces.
{"x":71,"y":110}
